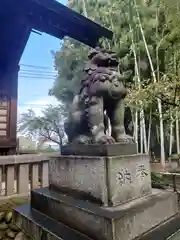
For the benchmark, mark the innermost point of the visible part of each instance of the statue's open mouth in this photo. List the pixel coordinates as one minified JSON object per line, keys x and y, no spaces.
{"x":108,"y":63}
{"x":113,"y":62}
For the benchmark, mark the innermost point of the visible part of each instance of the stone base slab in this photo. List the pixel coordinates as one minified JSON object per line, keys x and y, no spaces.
{"x":163,"y":231}
{"x":127,"y":222}
{"x":110,"y":181}
{"x":38,"y":226}
{"x":100,"y":150}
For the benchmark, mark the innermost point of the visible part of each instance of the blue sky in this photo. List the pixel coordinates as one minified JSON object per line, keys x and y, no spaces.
{"x":33,"y":92}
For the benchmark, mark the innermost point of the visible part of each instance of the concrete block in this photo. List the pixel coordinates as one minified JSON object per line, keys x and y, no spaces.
{"x":108,"y":180}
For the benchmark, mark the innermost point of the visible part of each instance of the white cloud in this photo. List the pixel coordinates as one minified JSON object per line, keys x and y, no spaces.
{"x":37,"y":106}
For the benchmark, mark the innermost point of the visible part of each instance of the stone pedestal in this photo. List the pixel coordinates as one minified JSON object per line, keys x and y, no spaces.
{"x":108,"y":180}
{"x":100,"y":198}
{"x":100,"y":150}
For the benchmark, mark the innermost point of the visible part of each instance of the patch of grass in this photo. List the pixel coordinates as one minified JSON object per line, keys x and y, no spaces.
{"x":175,"y":156}
{"x":9,"y":204}
{"x":158,"y":182}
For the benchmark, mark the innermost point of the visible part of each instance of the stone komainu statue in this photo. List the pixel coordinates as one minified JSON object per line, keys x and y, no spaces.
{"x":102,"y":90}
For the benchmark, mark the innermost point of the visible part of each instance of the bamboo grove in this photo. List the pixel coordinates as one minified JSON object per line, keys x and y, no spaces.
{"x":146,"y":40}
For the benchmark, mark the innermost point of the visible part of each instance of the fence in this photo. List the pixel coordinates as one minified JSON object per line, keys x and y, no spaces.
{"x":21,"y":173}
{"x":170,"y":165}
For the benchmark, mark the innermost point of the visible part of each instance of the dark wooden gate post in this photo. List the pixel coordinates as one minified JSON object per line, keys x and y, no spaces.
{"x":8,"y":110}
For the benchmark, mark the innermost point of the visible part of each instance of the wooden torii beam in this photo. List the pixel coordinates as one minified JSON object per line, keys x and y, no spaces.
{"x":50,"y":17}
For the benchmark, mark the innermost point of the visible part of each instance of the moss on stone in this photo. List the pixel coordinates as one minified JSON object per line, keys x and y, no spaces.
{"x":7,"y":228}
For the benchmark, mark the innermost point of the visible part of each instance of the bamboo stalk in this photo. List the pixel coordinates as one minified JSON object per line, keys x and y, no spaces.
{"x":170,"y":135}
{"x":149,"y":131}
{"x":177,"y":134}
{"x":143,"y":138}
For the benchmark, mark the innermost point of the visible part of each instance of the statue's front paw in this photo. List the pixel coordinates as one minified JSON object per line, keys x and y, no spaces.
{"x":124,"y":138}
{"x":105,"y":139}
{"x":82,"y":139}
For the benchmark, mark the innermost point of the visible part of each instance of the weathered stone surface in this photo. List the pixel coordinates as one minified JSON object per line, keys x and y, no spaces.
{"x":10,"y":234}
{"x":126,"y":221}
{"x":3,"y":226}
{"x":13,"y":227}
{"x":99,"y":150}
{"x":8,"y":217}
{"x":1,"y":235}
{"x":2,"y":215}
{"x":164,"y":230}
{"x":107,"y":180}
{"x":8,"y":230}
{"x":20,"y":236}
